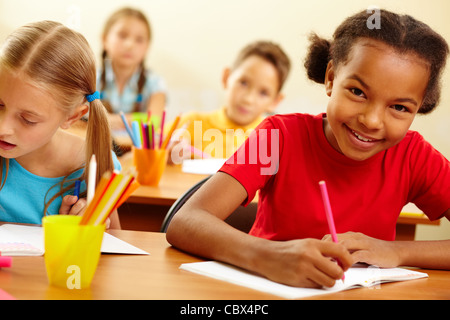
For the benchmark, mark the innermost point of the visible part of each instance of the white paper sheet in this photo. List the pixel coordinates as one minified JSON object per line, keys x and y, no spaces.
{"x":34,"y":236}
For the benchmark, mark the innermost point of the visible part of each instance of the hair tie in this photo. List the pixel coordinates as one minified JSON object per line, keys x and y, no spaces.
{"x":91,"y":97}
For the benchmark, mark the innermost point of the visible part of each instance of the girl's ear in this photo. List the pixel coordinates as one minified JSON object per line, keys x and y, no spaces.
{"x":76,"y":115}
{"x":329,"y":78}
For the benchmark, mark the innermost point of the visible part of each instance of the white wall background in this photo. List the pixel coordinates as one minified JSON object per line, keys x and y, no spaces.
{"x":193,"y":40}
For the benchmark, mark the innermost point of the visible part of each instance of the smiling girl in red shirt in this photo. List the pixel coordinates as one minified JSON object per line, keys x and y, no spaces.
{"x":377,"y":81}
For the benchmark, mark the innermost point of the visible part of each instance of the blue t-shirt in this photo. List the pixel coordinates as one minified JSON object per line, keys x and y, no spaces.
{"x":125,"y":101}
{"x":23,"y":197}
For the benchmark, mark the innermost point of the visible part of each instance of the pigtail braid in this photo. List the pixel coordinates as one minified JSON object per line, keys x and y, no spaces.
{"x":141,"y":83}
{"x":103,"y":83}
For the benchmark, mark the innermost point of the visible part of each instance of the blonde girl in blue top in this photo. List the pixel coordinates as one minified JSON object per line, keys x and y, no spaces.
{"x":123,"y":80}
{"x":47,"y":83}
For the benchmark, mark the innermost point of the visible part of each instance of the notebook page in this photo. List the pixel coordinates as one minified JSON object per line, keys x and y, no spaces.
{"x":355,"y":277}
{"x":12,"y":244}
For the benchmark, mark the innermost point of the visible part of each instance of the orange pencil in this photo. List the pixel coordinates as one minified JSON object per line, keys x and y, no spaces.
{"x":172,"y":129}
{"x":99,"y":191}
{"x":124,"y":196}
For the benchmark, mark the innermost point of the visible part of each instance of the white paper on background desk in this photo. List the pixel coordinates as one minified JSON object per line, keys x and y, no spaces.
{"x":34,"y":236}
{"x":356,"y":276}
{"x":202,"y":166}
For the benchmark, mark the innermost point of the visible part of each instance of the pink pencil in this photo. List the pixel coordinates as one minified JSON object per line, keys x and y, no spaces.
{"x":329,"y":213}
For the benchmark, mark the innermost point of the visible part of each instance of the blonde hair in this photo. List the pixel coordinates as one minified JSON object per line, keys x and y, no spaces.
{"x":60,"y":61}
{"x":116,"y":16}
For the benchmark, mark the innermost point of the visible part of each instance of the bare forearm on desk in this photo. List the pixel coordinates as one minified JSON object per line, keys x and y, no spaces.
{"x":389,"y":254}
{"x":205,"y":235}
{"x":199,"y":226}
{"x":425,"y":254}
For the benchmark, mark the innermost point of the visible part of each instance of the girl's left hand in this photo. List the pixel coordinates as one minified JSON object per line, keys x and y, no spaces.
{"x":369,"y":250}
{"x":71,"y":205}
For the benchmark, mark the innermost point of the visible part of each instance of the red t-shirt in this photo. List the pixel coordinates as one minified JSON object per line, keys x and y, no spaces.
{"x":287,"y":156}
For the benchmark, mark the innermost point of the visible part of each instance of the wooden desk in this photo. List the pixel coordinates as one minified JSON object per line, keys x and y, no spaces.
{"x":157,"y":276}
{"x":174,"y":183}
{"x":146,"y":208}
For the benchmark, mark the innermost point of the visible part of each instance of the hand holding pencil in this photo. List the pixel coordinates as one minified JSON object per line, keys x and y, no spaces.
{"x":71,"y":205}
{"x":306,"y":262}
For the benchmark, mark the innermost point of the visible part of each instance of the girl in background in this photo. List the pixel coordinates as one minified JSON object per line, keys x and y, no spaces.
{"x":47,"y":83}
{"x":125,"y":84}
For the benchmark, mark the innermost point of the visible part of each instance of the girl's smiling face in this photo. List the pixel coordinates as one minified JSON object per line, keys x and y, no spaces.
{"x":374,"y":97}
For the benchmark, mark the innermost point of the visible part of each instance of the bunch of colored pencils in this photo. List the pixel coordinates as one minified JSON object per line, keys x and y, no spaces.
{"x":112,"y":190}
{"x":144,"y":135}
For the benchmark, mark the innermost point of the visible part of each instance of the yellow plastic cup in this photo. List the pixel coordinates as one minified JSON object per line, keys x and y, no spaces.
{"x":150,"y":165}
{"x":72,"y":251}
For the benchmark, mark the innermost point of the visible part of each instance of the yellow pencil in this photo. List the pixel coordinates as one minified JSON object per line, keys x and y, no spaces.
{"x":99,"y":191}
{"x":110,"y":189}
{"x":113,"y":197}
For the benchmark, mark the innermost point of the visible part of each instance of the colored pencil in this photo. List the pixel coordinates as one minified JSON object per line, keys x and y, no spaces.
{"x":169,"y":135}
{"x":92,"y":178}
{"x":127,"y":127}
{"x":113,"y":189}
{"x":76,"y":191}
{"x":329,"y":213}
{"x":137,"y":133}
{"x":162,"y":129}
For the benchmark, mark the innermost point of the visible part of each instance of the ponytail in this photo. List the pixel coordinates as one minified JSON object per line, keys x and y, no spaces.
{"x":98,"y":140}
{"x":317,"y":58}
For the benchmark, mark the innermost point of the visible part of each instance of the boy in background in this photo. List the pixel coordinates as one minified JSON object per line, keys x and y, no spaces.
{"x":253,"y":88}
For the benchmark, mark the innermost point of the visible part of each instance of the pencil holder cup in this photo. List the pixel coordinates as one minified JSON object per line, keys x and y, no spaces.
{"x":72,"y":251}
{"x":150,"y":165}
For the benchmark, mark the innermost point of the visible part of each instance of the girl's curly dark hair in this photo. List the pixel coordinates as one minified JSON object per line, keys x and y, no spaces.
{"x":402,"y":32}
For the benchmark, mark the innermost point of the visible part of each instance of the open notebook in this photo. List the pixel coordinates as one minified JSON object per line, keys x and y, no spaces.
{"x":19,"y":240}
{"x":356,"y":276}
